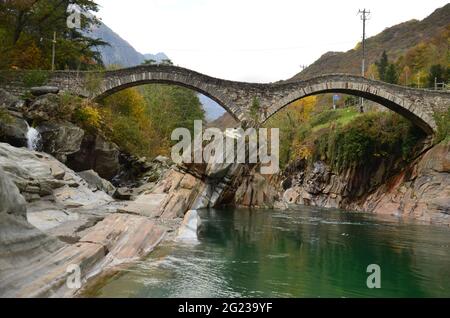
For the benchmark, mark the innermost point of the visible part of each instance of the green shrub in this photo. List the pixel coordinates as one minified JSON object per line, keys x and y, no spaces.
{"x":68,"y":104}
{"x":325,"y":117}
{"x":35,"y":78}
{"x":443,"y":126}
{"x":365,"y":140}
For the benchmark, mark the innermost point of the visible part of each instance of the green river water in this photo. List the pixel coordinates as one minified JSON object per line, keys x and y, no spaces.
{"x":307,"y":252}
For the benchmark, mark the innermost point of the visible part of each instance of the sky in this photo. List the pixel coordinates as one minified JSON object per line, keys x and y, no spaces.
{"x":252,"y":40}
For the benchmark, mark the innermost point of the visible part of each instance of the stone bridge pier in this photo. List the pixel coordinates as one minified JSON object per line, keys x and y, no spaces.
{"x":419,"y":106}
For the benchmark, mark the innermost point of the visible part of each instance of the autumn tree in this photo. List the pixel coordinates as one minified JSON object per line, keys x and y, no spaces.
{"x":289,"y":120}
{"x":405,"y":76}
{"x":32,"y":23}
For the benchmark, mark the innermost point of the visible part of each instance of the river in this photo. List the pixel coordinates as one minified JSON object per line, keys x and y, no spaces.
{"x":307,"y":252}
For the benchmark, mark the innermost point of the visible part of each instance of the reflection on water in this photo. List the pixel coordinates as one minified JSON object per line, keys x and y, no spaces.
{"x":303,"y":253}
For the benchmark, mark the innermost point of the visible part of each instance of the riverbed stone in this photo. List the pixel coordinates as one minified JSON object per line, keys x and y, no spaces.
{"x":13,"y":131}
{"x":42,"y":90}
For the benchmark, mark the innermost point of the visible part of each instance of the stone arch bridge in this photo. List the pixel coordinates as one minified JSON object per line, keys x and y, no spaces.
{"x":419,"y":106}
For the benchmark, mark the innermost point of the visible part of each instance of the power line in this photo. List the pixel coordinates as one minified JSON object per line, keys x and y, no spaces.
{"x":244,"y":49}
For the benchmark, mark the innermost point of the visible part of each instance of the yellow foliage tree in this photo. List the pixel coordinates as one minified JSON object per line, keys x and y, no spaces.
{"x":372,"y":72}
{"x":27,"y":56}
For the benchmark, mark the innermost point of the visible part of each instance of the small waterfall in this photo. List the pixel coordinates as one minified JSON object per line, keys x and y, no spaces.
{"x":33,"y":138}
{"x":188,"y":230}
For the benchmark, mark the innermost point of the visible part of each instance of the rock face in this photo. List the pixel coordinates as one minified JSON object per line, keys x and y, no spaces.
{"x":61,"y":139}
{"x":20,"y":242}
{"x":45,"y":108}
{"x":257,"y":191}
{"x":65,"y":223}
{"x":181,"y":190}
{"x":420,"y":190}
{"x":97,"y":154}
{"x":14,"y":130}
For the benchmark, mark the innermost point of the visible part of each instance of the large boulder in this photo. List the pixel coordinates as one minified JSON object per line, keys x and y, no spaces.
{"x":98,"y":154}
{"x":96,"y":182}
{"x":13,"y":130}
{"x":9,"y":101}
{"x":60,"y":139}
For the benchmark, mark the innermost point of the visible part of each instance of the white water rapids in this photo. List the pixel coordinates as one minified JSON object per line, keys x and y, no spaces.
{"x":33,"y":138}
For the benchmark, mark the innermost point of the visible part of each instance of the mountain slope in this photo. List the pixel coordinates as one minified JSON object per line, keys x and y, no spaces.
{"x":212,"y":109}
{"x":120,"y":52}
{"x":395,"y":40}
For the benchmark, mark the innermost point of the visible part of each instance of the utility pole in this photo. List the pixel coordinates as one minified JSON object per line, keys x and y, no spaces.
{"x":364,"y":17}
{"x":53,"y":50}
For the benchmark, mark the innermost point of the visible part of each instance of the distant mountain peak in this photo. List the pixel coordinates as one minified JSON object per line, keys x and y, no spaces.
{"x":120,"y":52}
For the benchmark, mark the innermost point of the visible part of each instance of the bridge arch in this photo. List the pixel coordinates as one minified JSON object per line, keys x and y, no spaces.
{"x":420,"y":106}
{"x":114,"y":82}
{"x":379,"y":92}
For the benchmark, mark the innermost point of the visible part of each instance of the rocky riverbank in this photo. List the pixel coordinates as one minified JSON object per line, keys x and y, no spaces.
{"x":51,"y":219}
{"x":420,"y":190}
{"x":79,"y":201}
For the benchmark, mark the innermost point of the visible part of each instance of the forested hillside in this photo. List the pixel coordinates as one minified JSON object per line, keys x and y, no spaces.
{"x":400,"y":42}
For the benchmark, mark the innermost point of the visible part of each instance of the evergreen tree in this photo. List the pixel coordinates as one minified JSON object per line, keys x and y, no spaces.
{"x":382,"y":66}
{"x":391,"y":75}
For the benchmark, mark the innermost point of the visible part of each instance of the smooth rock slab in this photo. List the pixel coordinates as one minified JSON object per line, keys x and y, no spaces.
{"x":126,"y":237}
{"x":145,"y":204}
